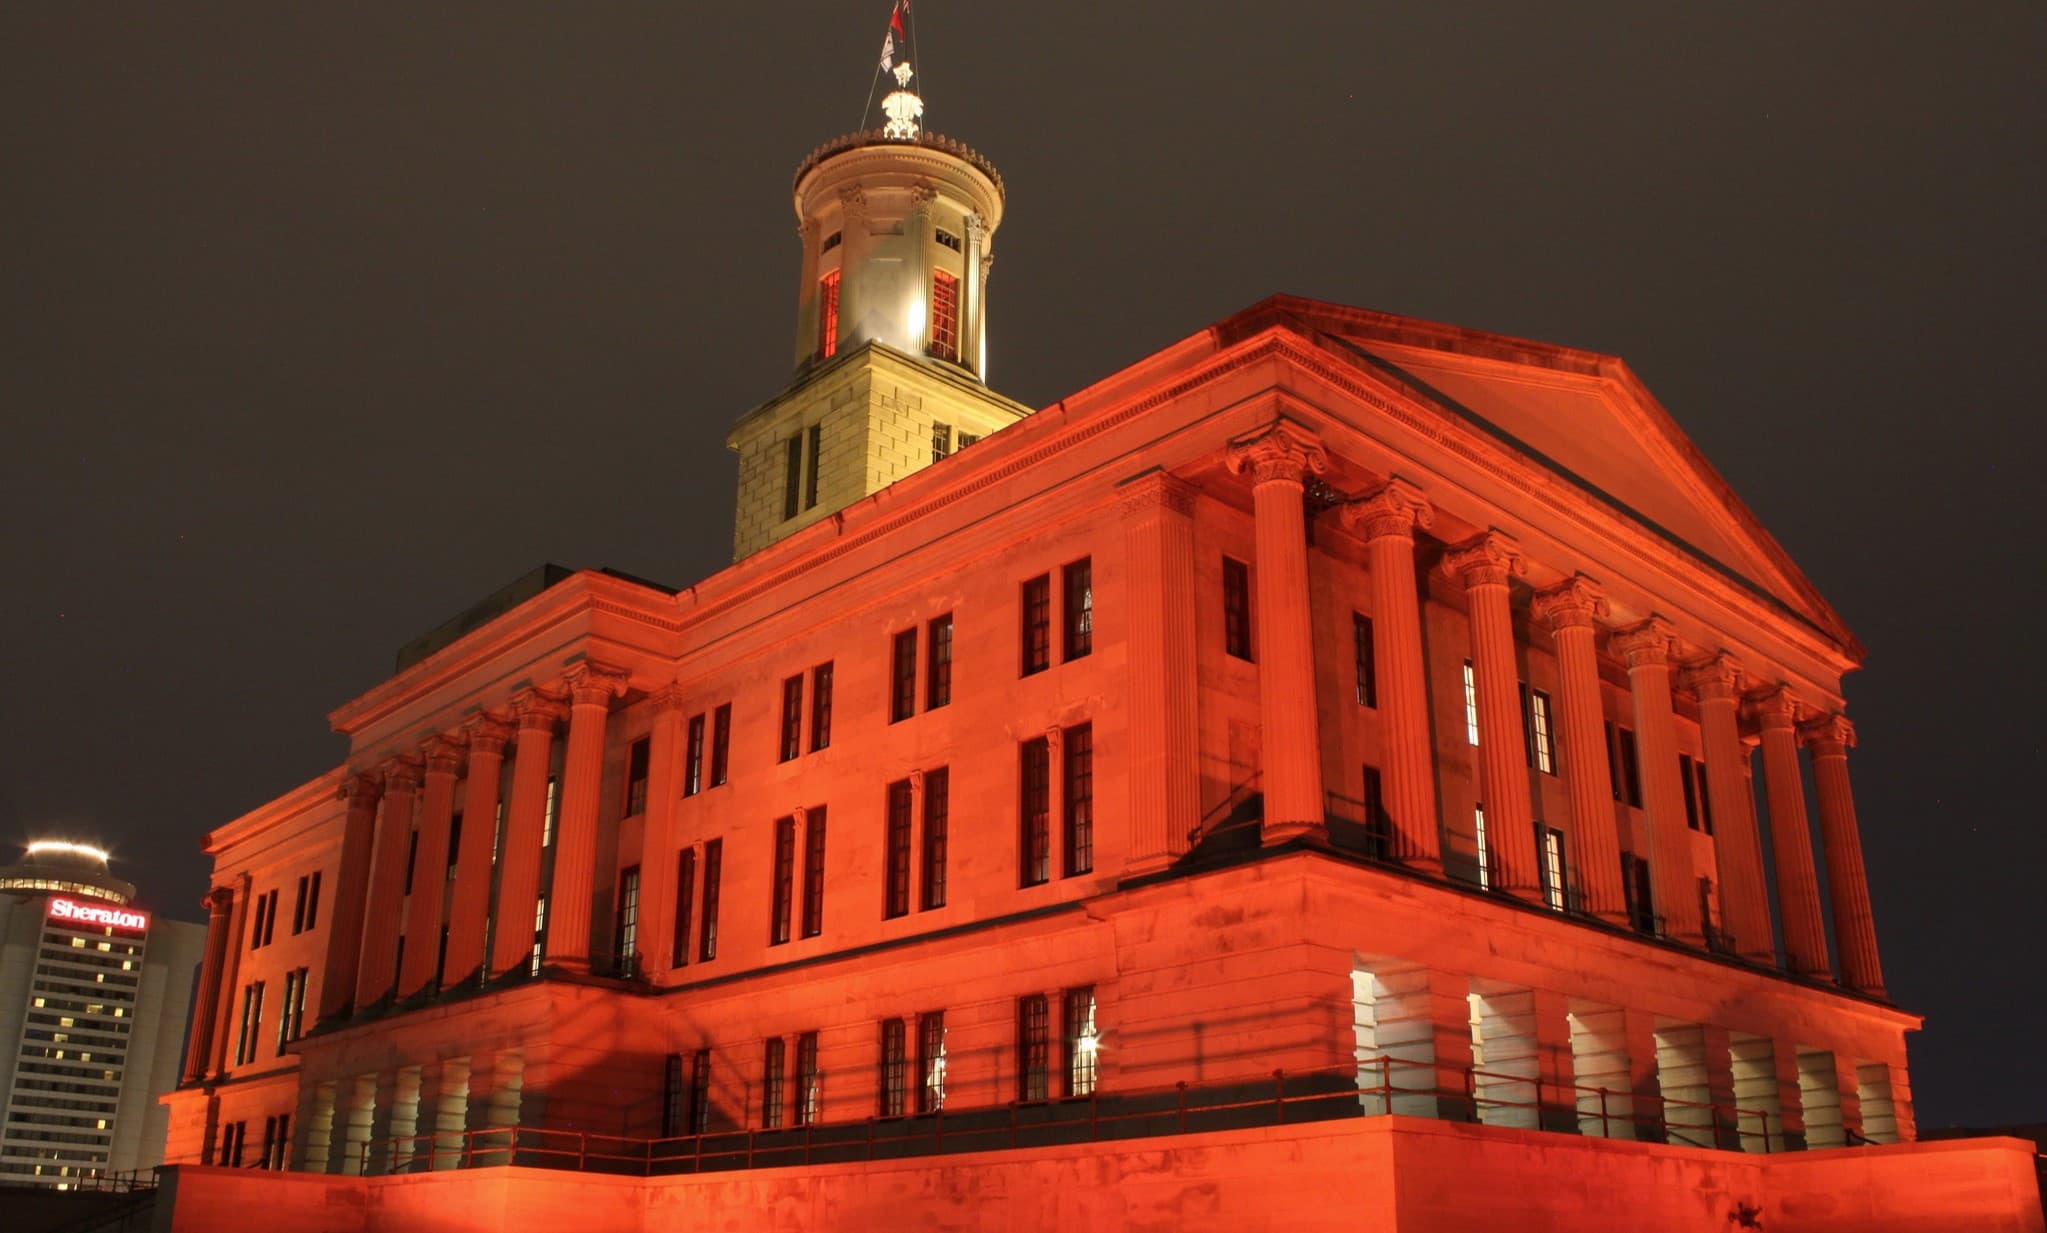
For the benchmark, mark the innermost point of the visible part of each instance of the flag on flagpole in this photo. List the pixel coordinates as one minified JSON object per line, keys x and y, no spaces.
{"x":888,"y":51}
{"x":895,"y":18}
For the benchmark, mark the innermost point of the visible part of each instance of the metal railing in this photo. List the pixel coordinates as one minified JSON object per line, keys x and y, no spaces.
{"x":1372,"y":1087}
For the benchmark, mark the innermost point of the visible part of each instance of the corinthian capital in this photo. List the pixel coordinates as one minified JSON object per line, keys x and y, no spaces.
{"x":1716,"y":678}
{"x":488,"y":732}
{"x":218,"y":901}
{"x":361,"y":790}
{"x":1488,"y":558}
{"x":1643,"y":643}
{"x":444,"y":753}
{"x":1575,"y":603}
{"x":594,"y":684}
{"x":401,"y":774}
{"x":1280,"y":454}
{"x":1773,"y":706}
{"x":1156,"y":492}
{"x":668,"y":699}
{"x":539,"y":710}
{"x":1828,"y":735}
{"x":1395,"y":508}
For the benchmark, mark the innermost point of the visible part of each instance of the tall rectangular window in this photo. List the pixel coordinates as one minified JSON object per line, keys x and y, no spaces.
{"x":1236,"y":608}
{"x":1079,"y":1039}
{"x":637,"y":761}
{"x":1077,"y":592}
{"x":1378,"y":835}
{"x":937,"y":810}
{"x":1470,"y":705}
{"x":820,"y":707}
{"x":1485,"y":856}
{"x":294,"y":1003}
{"x":411,"y":867}
{"x":945,"y":315}
{"x":895,"y":895}
{"x":828,"y":315}
{"x":938,"y":665}
{"x":256,"y":919}
{"x":700,"y":1092}
{"x":1362,"y":657}
{"x":454,"y":841}
{"x":1550,"y":847}
{"x":1630,"y":781}
{"x":721,"y":743}
{"x":1539,"y":729}
{"x":894,"y":1078}
{"x":685,"y":893}
{"x":1688,"y":780}
{"x":792,"y":476}
{"x":792,"y":717}
{"x":1036,"y":808}
{"x":903,"y":676}
{"x":809,"y":1081}
{"x":814,"y":441}
{"x":298,"y":908}
{"x":693,"y":757}
{"x":931,"y":1061}
{"x":1077,"y":750}
{"x":313,"y":902}
{"x":784,"y":883}
{"x":539,"y":933}
{"x":772,"y":1093}
{"x":813,"y":872}
{"x":1033,"y":1048}
{"x":714,"y":868}
{"x":1638,"y":887}
{"x":673,"y":1113}
{"x":252,"y":1020}
{"x":1037,"y":625}
{"x":941,"y":440}
{"x":625,"y":933}
{"x":1698,"y":771}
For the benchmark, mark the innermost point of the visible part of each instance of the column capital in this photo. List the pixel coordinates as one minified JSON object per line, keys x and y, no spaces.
{"x":917,"y":781}
{"x":218,"y":901}
{"x":361,"y":789}
{"x":1156,"y":491}
{"x":488,"y":732}
{"x":1716,"y":678}
{"x":1280,"y":454}
{"x":539,"y":710}
{"x":1575,"y":603}
{"x":807,"y":230}
{"x":444,"y":753}
{"x":1773,"y":707}
{"x":1644,"y":643}
{"x":1054,"y":738}
{"x":922,"y":194}
{"x":401,"y":774}
{"x":1486,"y":558}
{"x":1395,"y":508}
{"x":594,"y":684}
{"x":1828,"y":735}
{"x":977,"y":228}
{"x":669,"y":698}
{"x":853,"y":202}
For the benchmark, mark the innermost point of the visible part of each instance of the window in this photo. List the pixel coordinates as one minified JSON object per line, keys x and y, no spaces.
{"x":1037,"y":624}
{"x":1036,"y":812}
{"x":1033,"y":1048}
{"x":792,"y":718}
{"x":637,"y":760}
{"x":895,"y":896}
{"x":947,"y":239}
{"x":268,"y":915}
{"x":721,"y":743}
{"x":809,"y":1082}
{"x":313,"y":901}
{"x":292,"y":1016}
{"x":937,"y":807}
{"x":625,"y":933}
{"x":1549,"y":845}
{"x":252,"y":1019}
{"x":1361,"y":653}
{"x":1470,"y":705}
{"x":813,"y":872}
{"x":1077,"y":590}
{"x":277,"y":1141}
{"x":411,"y":860}
{"x":1698,"y":806}
{"x":256,"y":922}
{"x":685,"y":892}
{"x":931,"y":1062}
{"x":552,"y":812}
{"x":815,"y":438}
{"x":700,"y":1092}
{"x":1080,"y":1039}
{"x":1705,"y":801}
{"x":298,"y":904}
{"x":792,"y":477}
{"x":1237,"y":608}
{"x":1537,"y":728}
{"x":772,"y":1093}
{"x":693,"y":759}
{"x":454,"y":842}
{"x":1485,"y":858}
{"x":938,"y":665}
{"x":441,"y":959}
{"x":945,"y":315}
{"x":903,"y":676}
{"x":232,"y":1136}
{"x":1627,"y":785}
{"x":784,"y":881}
{"x":714,"y":866}
{"x":1078,"y":752}
{"x":828,"y":307}
{"x":673,"y":1113}
{"x":1638,"y":888}
{"x":820,"y":707}
{"x":941,"y":440}
{"x":968,"y":438}
{"x":539,"y":933}
{"x":894,"y":1077}
{"x":1378,"y":836}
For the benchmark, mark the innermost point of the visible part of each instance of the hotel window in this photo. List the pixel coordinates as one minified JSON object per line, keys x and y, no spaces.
{"x":1237,"y":608}
{"x":820,"y":707}
{"x":945,"y":315}
{"x":1077,"y":591}
{"x":792,"y":476}
{"x":294,"y":1005}
{"x":828,"y":309}
{"x":792,"y":718}
{"x":931,"y":1061}
{"x":1037,"y":625}
{"x":1033,"y":1048}
{"x":1485,"y":858}
{"x":1538,"y":729}
{"x":625,"y":934}
{"x":1078,"y":752}
{"x":693,"y":758}
{"x":815,"y":442}
{"x":809,"y":1081}
{"x":938,"y":665}
{"x":895,"y":896}
{"x":636,"y":763}
{"x":714,"y":866}
{"x":700,"y":1092}
{"x":903,"y":676}
{"x":772,"y":1094}
{"x":937,"y":807}
{"x":1550,"y":846}
{"x":1035,"y":844}
{"x":813,"y":872}
{"x":685,"y":894}
{"x":1080,"y":1040}
{"x":1361,"y":654}
{"x":894,"y":1082}
{"x":721,"y":743}
{"x":941,"y":440}
{"x":1470,"y":705}
{"x":252,"y":1019}
{"x":784,"y":883}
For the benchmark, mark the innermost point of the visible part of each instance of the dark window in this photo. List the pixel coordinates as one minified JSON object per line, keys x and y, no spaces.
{"x":298,"y":909}
{"x":938,"y":669}
{"x":1033,"y":1048}
{"x":1631,"y":767}
{"x":1036,"y":843}
{"x":721,"y":743}
{"x":931,"y":1062}
{"x":1078,"y":752}
{"x":772,"y":1093}
{"x":673,"y":1115}
{"x":820,"y":707}
{"x":685,"y":893}
{"x":1613,"y":766}
{"x":246,"y":1041}
{"x":270,"y":919}
{"x":256,"y":922}
{"x":313,"y":902}
{"x":792,"y":479}
{"x":903,"y":676}
{"x":1641,"y":898}
{"x":1079,"y":1040}
{"x":894,"y":1085}
{"x":1361,"y":652}
{"x":945,"y":315}
{"x":1378,"y":836}
{"x":792,"y":717}
{"x":809,"y":1082}
{"x":895,"y":899}
{"x":968,"y":438}
{"x":946,"y":239}
{"x":441,"y":959}
{"x":700,"y":1092}
{"x":941,"y":440}
{"x":937,"y":808}
{"x":411,"y":860}
{"x":828,"y":307}
{"x":784,"y":881}
{"x":831,"y":242}
{"x":813,"y":872}
{"x":1705,"y":801}
{"x":637,"y":761}
{"x":1077,"y":589}
{"x":1688,"y":779}
{"x":231,"y":1137}
{"x":1037,"y":624}
{"x":1236,"y":608}
{"x":693,"y":761}
{"x":816,"y":440}
{"x":714,"y":867}
{"x":454,"y":840}
{"x":625,"y":935}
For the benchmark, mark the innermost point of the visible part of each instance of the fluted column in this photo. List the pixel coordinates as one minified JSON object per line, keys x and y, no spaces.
{"x":591,"y":688}
{"x":1776,"y":713}
{"x":350,"y":895}
{"x":377,"y":972}
{"x":443,"y":756}
{"x":1573,"y":609}
{"x":1744,"y":897}
{"x":220,"y":904}
{"x":1387,"y":519}
{"x":1279,"y":462}
{"x":1484,"y":564}
{"x":1646,"y":649}
{"x":1854,"y":924}
{"x":1165,"y":787}
{"x":511,"y":946}
{"x":657,"y":836}
{"x":469,"y":909}
{"x":224,"y":1022}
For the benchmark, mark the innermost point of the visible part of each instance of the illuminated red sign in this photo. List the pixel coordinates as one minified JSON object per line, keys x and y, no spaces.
{"x":91,"y":914}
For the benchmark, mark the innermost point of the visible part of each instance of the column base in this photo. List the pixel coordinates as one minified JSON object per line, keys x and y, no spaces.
{"x":1272,"y":834}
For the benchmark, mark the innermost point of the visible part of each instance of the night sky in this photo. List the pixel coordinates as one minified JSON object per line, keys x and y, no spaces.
{"x":323,"y":321}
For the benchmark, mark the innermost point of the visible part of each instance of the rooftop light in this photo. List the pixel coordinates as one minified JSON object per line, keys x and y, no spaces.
{"x":66,"y":848}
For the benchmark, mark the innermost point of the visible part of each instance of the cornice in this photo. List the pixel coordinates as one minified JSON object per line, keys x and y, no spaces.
{"x":310,"y":796}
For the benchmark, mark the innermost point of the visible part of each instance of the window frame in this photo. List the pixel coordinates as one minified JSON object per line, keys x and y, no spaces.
{"x":1034,"y":654}
{"x":902,"y":703}
{"x":1237,"y":615}
{"x":1034,"y":812}
{"x":1077,"y":618}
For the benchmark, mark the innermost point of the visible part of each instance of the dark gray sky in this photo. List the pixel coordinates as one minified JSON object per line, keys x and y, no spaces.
{"x":322,"y":321}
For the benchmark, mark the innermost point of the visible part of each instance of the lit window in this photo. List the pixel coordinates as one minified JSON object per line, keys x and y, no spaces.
{"x":931,"y":1062}
{"x":1081,"y":1040}
{"x":1033,"y":1048}
{"x":809,"y":1081}
{"x":1077,"y":589}
{"x":1553,"y":885}
{"x":1485,"y":859}
{"x":625,"y":943}
{"x":1539,"y":731}
{"x":1077,"y":749}
{"x":1470,"y":704}
{"x":828,"y":309}
{"x":693,"y":758}
{"x":945,"y":315}
{"x":938,"y":666}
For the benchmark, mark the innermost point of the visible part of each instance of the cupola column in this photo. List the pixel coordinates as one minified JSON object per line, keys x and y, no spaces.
{"x":443,"y":756}
{"x":974,"y":313}
{"x":350,"y":894}
{"x":378,"y":970}
{"x":1573,"y":610}
{"x":1645,"y":647}
{"x":1278,"y":462}
{"x":1484,"y":564}
{"x":1829,"y":738}
{"x":470,"y":907}
{"x":657,"y":843}
{"x":1776,"y":714}
{"x":1387,"y":519}
{"x":591,"y":688}
{"x":511,"y":947}
{"x":220,"y":906}
{"x":1744,"y":897}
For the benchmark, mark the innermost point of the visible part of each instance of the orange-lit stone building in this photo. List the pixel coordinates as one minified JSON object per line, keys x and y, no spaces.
{"x":1339,"y":771}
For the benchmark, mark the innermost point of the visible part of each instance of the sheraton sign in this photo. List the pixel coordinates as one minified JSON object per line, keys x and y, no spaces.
{"x":72,"y":912}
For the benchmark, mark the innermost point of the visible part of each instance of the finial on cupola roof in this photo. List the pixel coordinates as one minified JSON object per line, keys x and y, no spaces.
{"x":903,"y":106}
